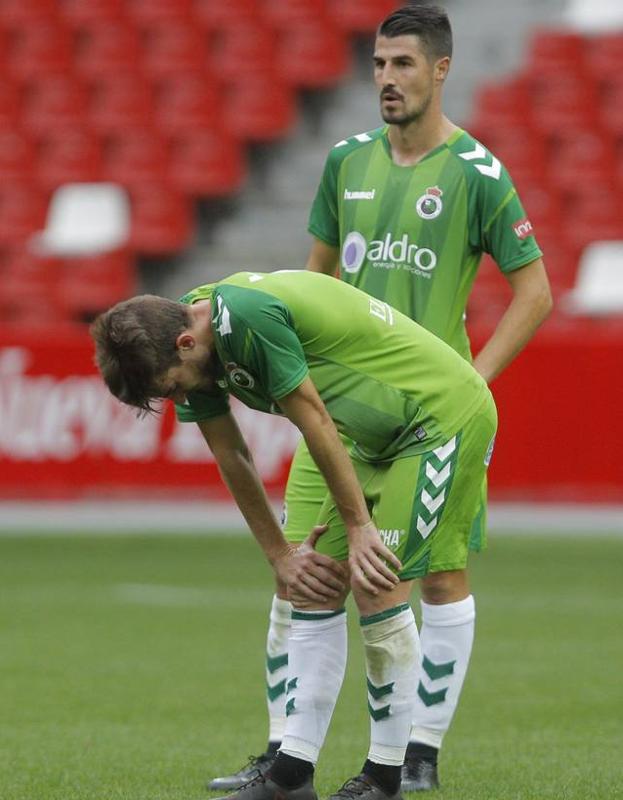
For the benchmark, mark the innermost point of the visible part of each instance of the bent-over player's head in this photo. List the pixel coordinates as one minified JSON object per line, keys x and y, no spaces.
{"x":136,"y":343}
{"x":429,"y":23}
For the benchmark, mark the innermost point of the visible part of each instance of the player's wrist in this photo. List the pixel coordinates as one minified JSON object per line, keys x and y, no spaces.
{"x":277,"y":553}
{"x":360,"y":528}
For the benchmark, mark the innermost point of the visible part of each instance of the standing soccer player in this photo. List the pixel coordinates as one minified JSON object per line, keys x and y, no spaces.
{"x":406,"y":212}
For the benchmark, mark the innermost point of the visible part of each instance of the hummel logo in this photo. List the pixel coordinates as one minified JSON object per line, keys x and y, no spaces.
{"x":369,"y":195}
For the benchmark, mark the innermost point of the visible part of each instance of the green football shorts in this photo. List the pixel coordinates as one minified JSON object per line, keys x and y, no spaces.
{"x":430,"y":509}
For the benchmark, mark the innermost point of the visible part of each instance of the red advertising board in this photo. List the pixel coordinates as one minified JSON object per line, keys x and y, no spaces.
{"x":63,"y":435}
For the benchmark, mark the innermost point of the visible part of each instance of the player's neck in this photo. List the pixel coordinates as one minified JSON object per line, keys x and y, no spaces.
{"x":201,"y":317}
{"x":410,"y":143}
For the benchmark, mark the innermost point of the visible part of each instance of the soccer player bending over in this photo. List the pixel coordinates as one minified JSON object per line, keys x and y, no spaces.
{"x":422,"y":424}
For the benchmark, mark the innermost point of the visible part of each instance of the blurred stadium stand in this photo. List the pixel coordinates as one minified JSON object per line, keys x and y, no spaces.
{"x":216,"y":117}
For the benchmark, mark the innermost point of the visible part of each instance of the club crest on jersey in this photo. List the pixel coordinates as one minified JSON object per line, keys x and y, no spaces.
{"x":429,"y":205}
{"x":239,"y":376}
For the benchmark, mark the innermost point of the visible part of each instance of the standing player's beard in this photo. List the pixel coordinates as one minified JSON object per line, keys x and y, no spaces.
{"x":407,"y":117}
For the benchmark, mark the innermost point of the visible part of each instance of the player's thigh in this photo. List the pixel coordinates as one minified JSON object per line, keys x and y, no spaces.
{"x":427,"y":503}
{"x":478,"y":531}
{"x":307,"y":500}
{"x":334,"y":541}
{"x":304,"y":495}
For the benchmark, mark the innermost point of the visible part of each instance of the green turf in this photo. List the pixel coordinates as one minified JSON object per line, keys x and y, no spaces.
{"x":133,"y":668}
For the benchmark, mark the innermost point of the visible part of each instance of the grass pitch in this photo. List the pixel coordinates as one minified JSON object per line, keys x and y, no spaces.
{"x":132,"y":667}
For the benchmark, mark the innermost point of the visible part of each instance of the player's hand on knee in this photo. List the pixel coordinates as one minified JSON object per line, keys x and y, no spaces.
{"x":371,"y":561}
{"x":315,"y":576}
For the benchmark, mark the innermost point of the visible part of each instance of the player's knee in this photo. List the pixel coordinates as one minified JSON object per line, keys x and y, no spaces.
{"x":439,"y":588}
{"x":301,"y":603}
{"x":281,"y":589}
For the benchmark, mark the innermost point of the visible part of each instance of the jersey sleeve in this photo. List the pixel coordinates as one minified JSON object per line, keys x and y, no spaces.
{"x":276,"y":354}
{"x":501,"y":227}
{"x":202,"y":405}
{"x":324,"y":217}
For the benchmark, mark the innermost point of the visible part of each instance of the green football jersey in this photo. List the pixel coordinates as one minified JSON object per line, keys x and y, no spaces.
{"x":388,"y":384}
{"x":414,"y":236}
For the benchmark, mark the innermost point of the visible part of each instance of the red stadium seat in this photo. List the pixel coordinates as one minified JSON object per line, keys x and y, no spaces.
{"x":593,"y":214}
{"x":583,"y":158}
{"x":259,"y":108}
{"x":136,"y":157}
{"x":90,"y":285}
{"x":122,"y":104}
{"x":54,"y":103}
{"x":186,"y":103}
{"x":612,"y":107}
{"x":81,"y":14}
{"x":17,"y":155}
{"x":162,"y":220}
{"x":18,"y":13}
{"x":69,"y":156}
{"x":233,"y":13}
{"x":173,"y":48}
{"x":108,"y":48}
{"x":564,"y":104}
{"x":39,"y":50}
{"x":543,"y":206}
{"x":23,"y":209}
{"x":292,"y":13}
{"x":4,"y":46}
{"x":361,"y":16}
{"x":504,"y":105}
{"x":244,"y":50}
{"x":207,"y":164}
{"x":556,"y":52}
{"x":618,"y":171}
{"x":146,"y":12}
{"x":604,"y":56}
{"x":29,"y":292}
{"x":560,"y":259}
{"x":9,"y":106}
{"x":313,"y":55}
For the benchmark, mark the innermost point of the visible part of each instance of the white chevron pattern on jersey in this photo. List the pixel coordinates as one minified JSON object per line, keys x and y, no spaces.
{"x":425,"y":529}
{"x":492,"y":170}
{"x":437,"y":477}
{"x":446,"y":449}
{"x":360,"y":137}
{"x":433,"y":503}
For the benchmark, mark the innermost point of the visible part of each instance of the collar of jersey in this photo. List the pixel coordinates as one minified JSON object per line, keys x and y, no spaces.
{"x":431,"y":153}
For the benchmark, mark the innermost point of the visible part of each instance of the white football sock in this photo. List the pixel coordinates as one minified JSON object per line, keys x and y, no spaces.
{"x":392,"y":661}
{"x":277,"y":666}
{"x":447,"y":636}
{"x":318,"y":648}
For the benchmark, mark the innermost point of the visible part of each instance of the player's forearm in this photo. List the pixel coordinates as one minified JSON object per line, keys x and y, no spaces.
{"x":240,"y":476}
{"x":306,"y":410}
{"x":517,"y":326}
{"x":334,"y":463}
{"x":323,"y":258}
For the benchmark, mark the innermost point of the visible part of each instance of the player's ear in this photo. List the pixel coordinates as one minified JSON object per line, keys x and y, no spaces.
{"x":185,"y":341}
{"x":442,"y":67}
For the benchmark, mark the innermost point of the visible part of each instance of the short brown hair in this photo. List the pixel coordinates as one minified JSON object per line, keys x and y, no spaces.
{"x":135,"y":345}
{"x":428,"y":22}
